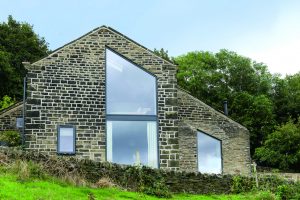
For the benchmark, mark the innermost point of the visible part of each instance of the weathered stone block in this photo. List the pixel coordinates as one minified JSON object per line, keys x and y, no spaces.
{"x":32,"y":114}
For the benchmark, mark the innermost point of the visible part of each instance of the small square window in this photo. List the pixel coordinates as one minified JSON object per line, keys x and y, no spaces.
{"x":66,"y":137}
{"x":20,"y":122}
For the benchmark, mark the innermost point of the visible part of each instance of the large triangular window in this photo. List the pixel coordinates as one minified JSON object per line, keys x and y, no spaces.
{"x":131,"y":113}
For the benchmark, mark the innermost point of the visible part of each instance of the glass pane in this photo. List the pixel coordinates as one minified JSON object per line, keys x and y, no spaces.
{"x":130,"y":90}
{"x":132,"y":142}
{"x":20,"y":122}
{"x":66,"y":140}
{"x":209,"y":154}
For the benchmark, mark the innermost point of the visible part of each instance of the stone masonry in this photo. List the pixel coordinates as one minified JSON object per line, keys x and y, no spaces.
{"x":8,"y":117}
{"x":68,"y":87}
{"x":195,"y":116}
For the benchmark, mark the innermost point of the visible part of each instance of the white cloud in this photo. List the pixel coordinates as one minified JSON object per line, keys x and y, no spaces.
{"x":278,"y":47}
{"x":282,"y":57}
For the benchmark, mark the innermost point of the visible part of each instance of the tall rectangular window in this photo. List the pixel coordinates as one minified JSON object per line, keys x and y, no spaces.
{"x":66,"y":139}
{"x":131,"y":113}
{"x":209,"y":154}
{"x":20,"y":122}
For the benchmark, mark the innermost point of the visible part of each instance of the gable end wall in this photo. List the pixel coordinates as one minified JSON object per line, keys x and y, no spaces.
{"x":68,"y":87}
{"x":195,"y":116}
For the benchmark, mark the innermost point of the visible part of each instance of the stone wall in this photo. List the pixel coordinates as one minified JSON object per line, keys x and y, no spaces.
{"x":195,"y":116}
{"x":68,"y":87}
{"x":129,"y":177}
{"x":8,"y":117}
{"x":287,"y":176}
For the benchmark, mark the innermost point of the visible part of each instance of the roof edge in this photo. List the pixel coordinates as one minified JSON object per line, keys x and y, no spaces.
{"x":211,"y":108}
{"x":67,"y":44}
{"x":10,"y":108}
{"x":97,"y":29}
{"x":143,"y":47}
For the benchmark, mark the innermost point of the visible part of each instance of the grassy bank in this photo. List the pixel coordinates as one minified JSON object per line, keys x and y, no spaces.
{"x":52,"y":178}
{"x":12,"y":188}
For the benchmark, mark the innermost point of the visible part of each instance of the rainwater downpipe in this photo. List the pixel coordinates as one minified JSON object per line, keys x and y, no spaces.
{"x":23,"y":112}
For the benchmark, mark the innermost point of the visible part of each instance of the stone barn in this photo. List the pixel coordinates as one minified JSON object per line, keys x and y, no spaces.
{"x":107,"y":98}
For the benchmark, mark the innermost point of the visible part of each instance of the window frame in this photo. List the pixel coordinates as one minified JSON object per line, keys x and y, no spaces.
{"x":128,"y":117}
{"x":58,"y":139}
{"x":221,"y":149}
{"x":21,"y":121}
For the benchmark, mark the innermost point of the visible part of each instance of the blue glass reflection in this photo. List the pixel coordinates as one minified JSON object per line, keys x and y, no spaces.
{"x":209,"y":154}
{"x":132,"y":142}
{"x":66,"y":140}
{"x":130,"y":90}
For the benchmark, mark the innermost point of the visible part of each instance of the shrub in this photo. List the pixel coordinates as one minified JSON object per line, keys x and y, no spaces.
{"x":3,"y":159}
{"x":146,"y":180}
{"x":282,"y":147}
{"x":6,"y":102}
{"x":265,"y":195}
{"x":36,"y":170}
{"x":26,"y":170}
{"x":11,"y":138}
{"x":289,"y":191}
{"x":271,"y":182}
{"x":105,"y":182}
{"x":153,"y":183}
{"x":241,"y":184}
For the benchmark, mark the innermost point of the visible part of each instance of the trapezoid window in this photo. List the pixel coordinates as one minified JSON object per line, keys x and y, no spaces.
{"x":209,"y":154}
{"x":131,"y":113}
{"x":130,"y":89}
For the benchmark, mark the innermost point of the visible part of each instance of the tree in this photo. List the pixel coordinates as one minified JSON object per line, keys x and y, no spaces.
{"x":198,"y":73}
{"x":282,"y":147}
{"x":6,"y":102}
{"x":162,"y":53}
{"x":215,"y":77}
{"x":286,"y":97}
{"x":8,"y":76}
{"x":18,"y":43}
{"x":256,"y":113}
{"x":246,"y":85}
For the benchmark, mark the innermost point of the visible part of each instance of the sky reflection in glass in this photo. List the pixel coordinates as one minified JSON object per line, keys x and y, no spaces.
{"x":209,"y":154}
{"x":130,"y":144}
{"x":130,"y":90}
{"x":66,"y":140}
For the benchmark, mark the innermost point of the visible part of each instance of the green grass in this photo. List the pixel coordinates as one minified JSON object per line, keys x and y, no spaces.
{"x":11,"y":188}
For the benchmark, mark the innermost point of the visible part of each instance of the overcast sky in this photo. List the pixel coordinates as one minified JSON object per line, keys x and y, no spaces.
{"x":267,"y":31}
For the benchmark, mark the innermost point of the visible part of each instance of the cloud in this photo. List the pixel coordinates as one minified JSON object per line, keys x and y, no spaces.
{"x":278,"y":47}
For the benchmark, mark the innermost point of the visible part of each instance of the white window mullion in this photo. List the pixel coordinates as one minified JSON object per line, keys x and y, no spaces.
{"x":109,"y":142}
{"x":152,"y":144}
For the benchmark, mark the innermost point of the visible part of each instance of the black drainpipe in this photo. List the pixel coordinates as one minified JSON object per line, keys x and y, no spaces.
{"x":24,"y":99}
{"x":225,"y":107}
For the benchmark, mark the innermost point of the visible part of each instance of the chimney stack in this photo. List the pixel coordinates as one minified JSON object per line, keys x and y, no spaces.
{"x":225,"y":107}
